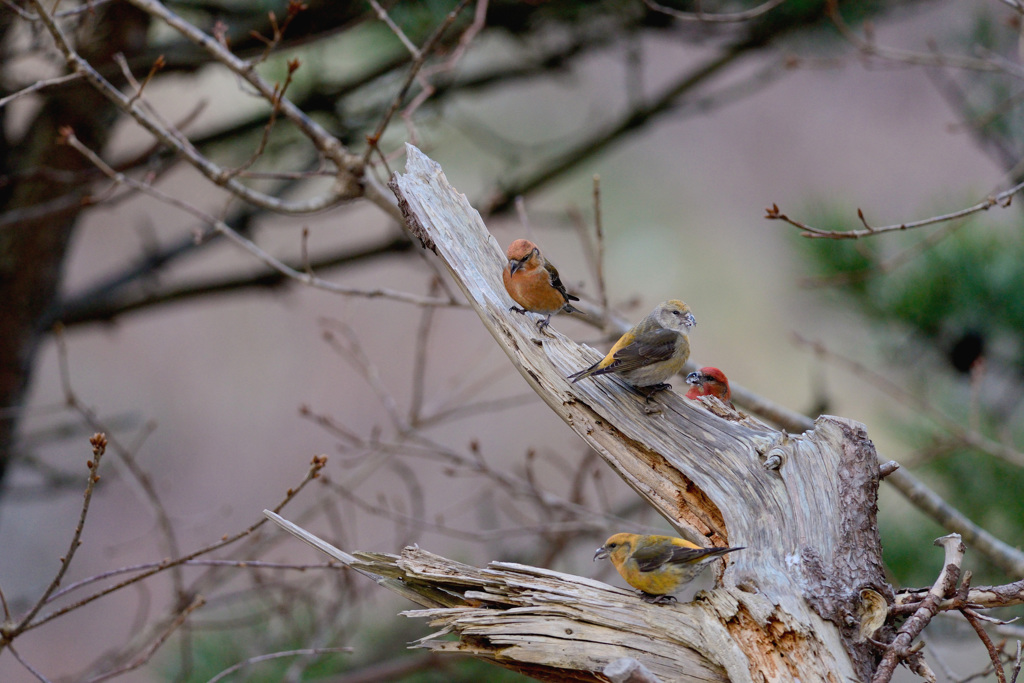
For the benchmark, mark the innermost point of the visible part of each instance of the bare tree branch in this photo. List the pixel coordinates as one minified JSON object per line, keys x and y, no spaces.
{"x":900,"y":648}
{"x":348,"y":167}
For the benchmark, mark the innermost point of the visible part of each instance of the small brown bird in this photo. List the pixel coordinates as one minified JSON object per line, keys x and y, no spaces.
{"x":533,"y":283}
{"x":652,"y":351}
{"x":709,"y":381}
{"x":657,"y":566}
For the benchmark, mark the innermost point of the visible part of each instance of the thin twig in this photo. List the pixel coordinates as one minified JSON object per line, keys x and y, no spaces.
{"x":889,"y":264}
{"x":421,"y":358}
{"x":275,"y":110}
{"x":716,"y":17}
{"x":386,"y":18}
{"x":240,"y":564}
{"x":127,"y":458}
{"x":316,"y":466}
{"x":629,"y":121}
{"x":587,"y":523}
{"x":276,"y":655}
{"x":953,"y":427}
{"x":44,"y":84}
{"x":348,"y":168}
{"x":104,"y":301}
{"x":869,"y":48}
{"x":979,"y":126}
{"x":147,"y":653}
{"x":158,"y":64}
{"x":602,"y":290}
{"x":89,"y":7}
{"x":1002,"y":200}
{"x":349,"y":348}
{"x":427,"y":88}
{"x":414,"y":69}
{"x":250,"y":246}
{"x":9,"y":633}
{"x":972,"y":618}
{"x":946,"y":670}
{"x":31,"y":669}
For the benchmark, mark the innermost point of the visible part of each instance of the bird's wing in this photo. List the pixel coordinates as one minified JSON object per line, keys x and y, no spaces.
{"x":653,"y":556}
{"x":681,"y":555}
{"x":556,"y":281}
{"x":654,"y":347}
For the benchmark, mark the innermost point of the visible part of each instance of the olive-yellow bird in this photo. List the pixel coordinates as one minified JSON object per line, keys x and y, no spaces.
{"x":657,"y":566}
{"x":533,"y":283}
{"x":652,"y":351}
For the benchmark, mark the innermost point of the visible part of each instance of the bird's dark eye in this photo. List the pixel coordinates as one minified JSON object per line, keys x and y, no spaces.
{"x":676,"y":313}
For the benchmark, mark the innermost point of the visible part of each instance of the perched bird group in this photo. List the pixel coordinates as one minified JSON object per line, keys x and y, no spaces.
{"x":652,"y":351}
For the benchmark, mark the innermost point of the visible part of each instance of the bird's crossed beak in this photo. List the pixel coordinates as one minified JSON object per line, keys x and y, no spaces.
{"x":695,"y":378}
{"x":689,"y":320}
{"x":601,"y":553}
{"x":514,"y":265}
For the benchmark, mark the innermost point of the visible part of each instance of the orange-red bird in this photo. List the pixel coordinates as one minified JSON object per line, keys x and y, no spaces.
{"x":709,"y":382}
{"x":533,"y":283}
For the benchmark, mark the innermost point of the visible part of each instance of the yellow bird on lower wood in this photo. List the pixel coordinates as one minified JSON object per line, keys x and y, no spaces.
{"x":657,"y":566}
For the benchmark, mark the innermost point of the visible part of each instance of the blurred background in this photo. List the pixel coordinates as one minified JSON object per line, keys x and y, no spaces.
{"x":220,"y":380}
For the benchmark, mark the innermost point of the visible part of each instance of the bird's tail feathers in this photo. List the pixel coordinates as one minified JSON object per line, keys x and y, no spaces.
{"x":587,"y":372}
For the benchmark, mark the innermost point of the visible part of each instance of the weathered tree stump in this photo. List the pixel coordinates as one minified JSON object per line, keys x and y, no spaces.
{"x":787,"y":608}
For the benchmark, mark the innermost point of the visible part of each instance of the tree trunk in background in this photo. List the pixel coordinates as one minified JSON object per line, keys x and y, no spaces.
{"x":44,"y":189}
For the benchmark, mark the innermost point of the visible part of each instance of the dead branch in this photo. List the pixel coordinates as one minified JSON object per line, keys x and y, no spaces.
{"x":900,"y":648}
{"x":348,"y":168}
{"x":982,"y":597}
{"x":1001,"y":199}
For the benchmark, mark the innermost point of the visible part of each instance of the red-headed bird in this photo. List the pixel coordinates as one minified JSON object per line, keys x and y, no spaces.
{"x":709,"y":382}
{"x":652,"y":351}
{"x":657,"y":566}
{"x":533,"y":283}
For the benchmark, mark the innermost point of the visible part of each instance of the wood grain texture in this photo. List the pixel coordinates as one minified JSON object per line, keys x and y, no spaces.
{"x":786,"y":608}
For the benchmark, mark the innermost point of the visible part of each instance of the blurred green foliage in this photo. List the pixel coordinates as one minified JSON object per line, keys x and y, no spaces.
{"x":250,"y":633}
{"x":214,"y":651}
{"x":944,"y":300}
